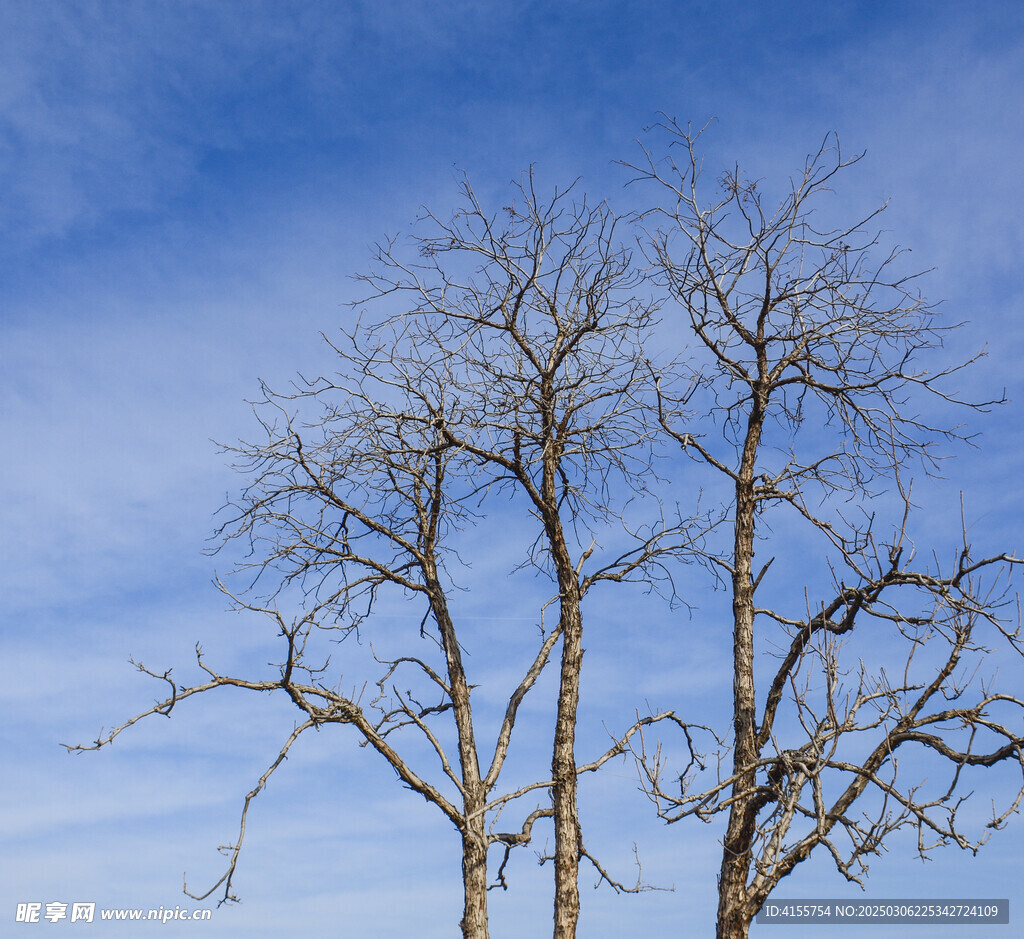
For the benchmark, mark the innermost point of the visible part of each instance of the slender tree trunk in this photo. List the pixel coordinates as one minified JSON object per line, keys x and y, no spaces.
{"x":563,"y":753}
{"x":474,"y":833}
{"x":474,"y":876}
{"x":563,"y":773}
{"x":733,"y":904}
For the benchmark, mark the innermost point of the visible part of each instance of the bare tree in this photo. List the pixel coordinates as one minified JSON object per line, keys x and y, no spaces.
{"x":508,"y":378}
{"x":554,"y":406}
{"x":867,"y":711}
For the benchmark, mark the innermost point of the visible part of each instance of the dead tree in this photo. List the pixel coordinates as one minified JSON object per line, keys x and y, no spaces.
{"x":553,"y":406}
{"x":507,"y":381}
{"x":857,"y":681}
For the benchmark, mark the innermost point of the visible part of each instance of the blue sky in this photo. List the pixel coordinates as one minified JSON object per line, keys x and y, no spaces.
{"x":187,"y":188}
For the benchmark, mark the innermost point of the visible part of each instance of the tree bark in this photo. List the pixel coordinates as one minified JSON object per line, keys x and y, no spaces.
{"x":474,"y":878}
{"x":474,"y":833}
{"x":563,"y":753}
{"x":563,"y":772}
{"x":733,"y":906}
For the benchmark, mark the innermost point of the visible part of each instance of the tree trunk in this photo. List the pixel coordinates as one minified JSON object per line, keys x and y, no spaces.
{"x":474,"y":832}
{"x":474,"y":879}
{"x":733,"y":922}
{"x":563,"y":773}
{"x":733,"y":906}
{"x":563,"y":751}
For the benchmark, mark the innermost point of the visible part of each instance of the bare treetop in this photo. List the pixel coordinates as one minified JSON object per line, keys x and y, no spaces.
{"x":548,"y":300}
{"x":810,"y":325}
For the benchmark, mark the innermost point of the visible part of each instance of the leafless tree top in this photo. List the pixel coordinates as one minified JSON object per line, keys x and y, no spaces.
{"x":813,"y":325}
